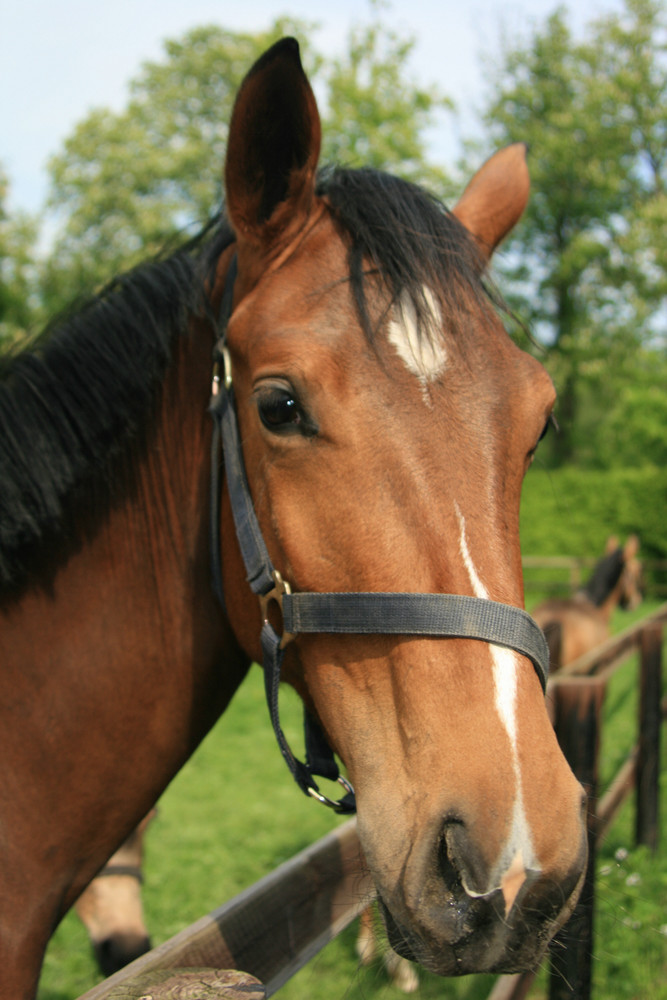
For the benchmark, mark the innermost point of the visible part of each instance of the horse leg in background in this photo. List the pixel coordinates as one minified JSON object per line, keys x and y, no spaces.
{"x":111,"y":909}
{"x":401,"y":972}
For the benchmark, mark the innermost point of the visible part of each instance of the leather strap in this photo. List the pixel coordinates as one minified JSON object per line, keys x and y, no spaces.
{"x":451,"y":615}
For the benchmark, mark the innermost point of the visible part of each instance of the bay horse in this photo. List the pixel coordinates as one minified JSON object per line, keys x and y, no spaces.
{"x":384,"y":421}
{"x":584,"y":620}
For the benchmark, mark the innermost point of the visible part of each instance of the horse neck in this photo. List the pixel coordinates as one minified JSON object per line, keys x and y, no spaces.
{"x":611,"y":601}
{"x":173,"y":476}
{"x":125,"y":646}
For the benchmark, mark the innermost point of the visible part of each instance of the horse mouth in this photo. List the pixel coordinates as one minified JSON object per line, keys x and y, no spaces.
{"x":476,"y":950}
{"x":467,"y":950}
{"x":474,"y":934}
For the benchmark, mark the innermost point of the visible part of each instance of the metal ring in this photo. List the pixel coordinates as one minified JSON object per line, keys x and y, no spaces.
{"x":325,"y":800}
{"x":226,"y":367}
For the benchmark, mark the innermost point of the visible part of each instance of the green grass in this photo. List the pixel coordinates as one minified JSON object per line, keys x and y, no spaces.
{"x":233,"y":814}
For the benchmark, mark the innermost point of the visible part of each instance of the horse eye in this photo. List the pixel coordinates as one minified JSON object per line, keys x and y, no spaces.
{"x":280,"y":412}
{"x":551,"y":422}
{"x":277,"y":409}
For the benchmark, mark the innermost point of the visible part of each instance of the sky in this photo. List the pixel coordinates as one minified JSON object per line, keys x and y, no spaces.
{"x":59,"y":60}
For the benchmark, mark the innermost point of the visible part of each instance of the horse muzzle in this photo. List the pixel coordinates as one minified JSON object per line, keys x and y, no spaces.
{"x":451,"y":929}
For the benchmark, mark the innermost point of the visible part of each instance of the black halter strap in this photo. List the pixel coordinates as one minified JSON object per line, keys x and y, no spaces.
{"x":436,"y":615}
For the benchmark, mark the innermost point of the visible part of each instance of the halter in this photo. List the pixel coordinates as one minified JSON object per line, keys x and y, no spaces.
{"x":435,"y":615}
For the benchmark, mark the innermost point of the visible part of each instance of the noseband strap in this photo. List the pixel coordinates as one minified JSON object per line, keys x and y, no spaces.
{"x":409,"y":614}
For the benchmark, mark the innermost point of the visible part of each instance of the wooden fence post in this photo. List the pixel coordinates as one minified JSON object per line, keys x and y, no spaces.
{"x":650,"y":718}
{"x":578,"y":709}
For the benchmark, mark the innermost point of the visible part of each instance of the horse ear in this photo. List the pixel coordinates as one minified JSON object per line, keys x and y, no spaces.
{"x":273,"y":149}
{"x":495,"y":198}
{"x":631,"y":547}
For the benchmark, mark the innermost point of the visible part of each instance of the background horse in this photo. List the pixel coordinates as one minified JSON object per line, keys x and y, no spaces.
{"x":110,"y":908}
{"x":369,"y":947}
{"x":386,"y":421}
{"x":584,"y":620}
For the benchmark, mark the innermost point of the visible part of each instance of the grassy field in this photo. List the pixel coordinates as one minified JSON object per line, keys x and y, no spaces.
{"x":233,"y":814}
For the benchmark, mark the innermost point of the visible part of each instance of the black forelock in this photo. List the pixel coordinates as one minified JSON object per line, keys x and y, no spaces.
{"x":412,"y":240}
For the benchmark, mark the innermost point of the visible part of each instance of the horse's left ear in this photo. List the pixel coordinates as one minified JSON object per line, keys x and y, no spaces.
{"x":272,"y":151}
{"x":495,"y":198}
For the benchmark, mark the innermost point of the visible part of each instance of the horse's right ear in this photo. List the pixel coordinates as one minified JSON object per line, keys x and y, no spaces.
{"x":495,"y":198}
{"x":272,"y":151}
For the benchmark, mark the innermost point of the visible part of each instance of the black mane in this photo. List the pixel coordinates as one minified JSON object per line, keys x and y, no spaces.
{"x":605,"y":576}
{"x":78,"y":396}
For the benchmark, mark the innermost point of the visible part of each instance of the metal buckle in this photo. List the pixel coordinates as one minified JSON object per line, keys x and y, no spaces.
{"x":222,"y":371}
{"x":280,"y":588}
{"x":331,"y":803}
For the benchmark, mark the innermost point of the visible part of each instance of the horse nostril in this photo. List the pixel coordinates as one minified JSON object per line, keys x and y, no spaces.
{"x":448,"y":871}
{"x":461,"y":863}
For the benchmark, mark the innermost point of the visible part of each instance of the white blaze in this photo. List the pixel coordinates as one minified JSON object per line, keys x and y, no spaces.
{"x":505,"y":668}
{"x":425,"y":356}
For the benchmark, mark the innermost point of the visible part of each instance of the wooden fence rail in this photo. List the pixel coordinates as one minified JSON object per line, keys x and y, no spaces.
{"x":577,"y":692}
{"x":275,"y":927}
{"x":272,"y":929}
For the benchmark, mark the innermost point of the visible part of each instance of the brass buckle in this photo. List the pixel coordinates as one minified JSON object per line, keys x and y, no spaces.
{"x":222,"y":372}
{"x":280,"y":588}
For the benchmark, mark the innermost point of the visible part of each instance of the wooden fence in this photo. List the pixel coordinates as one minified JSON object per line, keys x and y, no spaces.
{"x":275,"y":927}
{"x":576,"y":694}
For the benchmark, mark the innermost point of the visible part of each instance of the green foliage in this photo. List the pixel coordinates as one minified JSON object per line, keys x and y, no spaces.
{"x":126,"y":183}
{"x":631,"y":406}
{"x":587,"y":268}
{"x":376,"y":116}
{"x":587,"y":265}
{"x":18,"y":234}
{"x":573,"y":511}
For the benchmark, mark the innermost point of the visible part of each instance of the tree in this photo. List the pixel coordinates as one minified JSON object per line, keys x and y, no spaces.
{"x":376,"y":115}
{"x":18,"y":235}
{"x":126,"y":183}
{"x":589,"y":258}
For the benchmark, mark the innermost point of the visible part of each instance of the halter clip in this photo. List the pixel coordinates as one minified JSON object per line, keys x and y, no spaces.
{"x":222,"y":371}
{"x":276,"y":594}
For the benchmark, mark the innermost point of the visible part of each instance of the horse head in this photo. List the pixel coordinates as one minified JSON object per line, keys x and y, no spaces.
{"x":387,"y":420}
